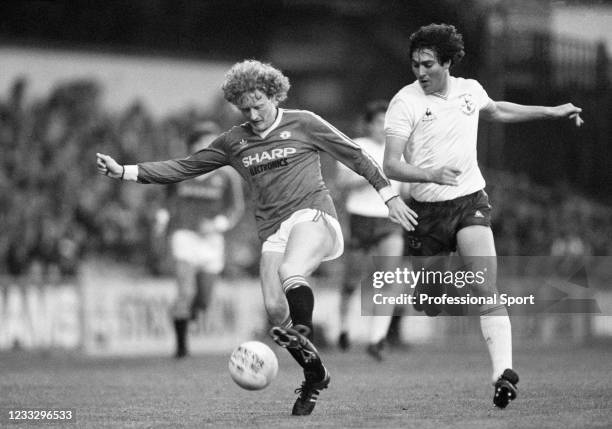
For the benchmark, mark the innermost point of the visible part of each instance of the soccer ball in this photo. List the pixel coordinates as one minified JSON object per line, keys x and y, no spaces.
{"x":253,"y":365}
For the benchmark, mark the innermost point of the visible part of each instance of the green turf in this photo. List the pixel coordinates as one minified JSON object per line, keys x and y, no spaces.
{"x":426,"y":387}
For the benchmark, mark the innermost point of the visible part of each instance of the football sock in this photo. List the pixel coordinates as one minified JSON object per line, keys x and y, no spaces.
{"x":497,"y":332}
{"x":301,"y":304}
{"x":180,"y":330}
{"x":394,"y":335}
{"x":301,"y":301}
{"x":379,"y":325}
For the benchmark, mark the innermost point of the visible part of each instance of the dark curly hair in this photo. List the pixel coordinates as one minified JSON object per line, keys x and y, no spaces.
{"x":443,"y":39}
{"x":250,"y":75}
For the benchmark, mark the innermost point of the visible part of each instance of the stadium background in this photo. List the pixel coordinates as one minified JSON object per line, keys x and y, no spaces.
{"x":81,"y":265}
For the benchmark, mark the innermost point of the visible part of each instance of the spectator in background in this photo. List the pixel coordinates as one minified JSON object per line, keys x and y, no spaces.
{"x":84,"y":215}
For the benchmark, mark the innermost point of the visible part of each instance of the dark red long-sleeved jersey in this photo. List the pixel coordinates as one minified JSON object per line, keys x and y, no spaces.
{"x":282,"y":165}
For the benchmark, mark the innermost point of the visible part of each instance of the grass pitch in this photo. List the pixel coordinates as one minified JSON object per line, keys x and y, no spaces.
{"x":424,"y":387}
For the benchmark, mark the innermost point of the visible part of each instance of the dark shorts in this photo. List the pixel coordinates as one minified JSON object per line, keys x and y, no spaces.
{"x":440,"y":221}
{"x":366,"y":232}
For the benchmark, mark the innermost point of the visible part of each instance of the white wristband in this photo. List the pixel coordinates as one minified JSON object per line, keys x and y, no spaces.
{"x":130,"y":173}
{"x":387,"y":193}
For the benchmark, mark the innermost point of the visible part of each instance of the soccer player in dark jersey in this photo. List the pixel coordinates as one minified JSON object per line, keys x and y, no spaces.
{"x":276,"y":151}
{"x":201,"y":210}
{"x":433,"y":124}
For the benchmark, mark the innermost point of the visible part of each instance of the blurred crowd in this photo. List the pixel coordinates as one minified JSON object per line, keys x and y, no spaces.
{"x":56,"y":211}
{"x":535,"y":220}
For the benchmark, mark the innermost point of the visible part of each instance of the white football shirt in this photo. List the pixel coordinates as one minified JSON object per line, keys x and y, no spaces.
{"x":364,"y":200}
{"x":440,"y":130}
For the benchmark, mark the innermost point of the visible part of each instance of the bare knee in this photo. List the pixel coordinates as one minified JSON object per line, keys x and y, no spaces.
{"x":289,"y":268}
{"x":295,"y":266}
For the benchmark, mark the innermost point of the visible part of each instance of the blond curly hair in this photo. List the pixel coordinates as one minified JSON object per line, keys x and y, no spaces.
{"x":250,"y":75}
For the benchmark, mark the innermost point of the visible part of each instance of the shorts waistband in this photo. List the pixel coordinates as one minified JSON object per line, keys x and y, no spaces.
{"x":448,"y":202}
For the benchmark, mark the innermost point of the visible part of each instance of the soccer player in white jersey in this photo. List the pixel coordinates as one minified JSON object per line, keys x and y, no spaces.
{"x":433,"y":123}
{"x":201,"y":211}
{"x":276,"y":151}
{"x":371,"y":231}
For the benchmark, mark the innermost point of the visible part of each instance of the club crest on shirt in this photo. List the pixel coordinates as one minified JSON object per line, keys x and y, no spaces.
{"x":243,"y":142}
{"x":285,"y":135}
{"x":467,"y":104}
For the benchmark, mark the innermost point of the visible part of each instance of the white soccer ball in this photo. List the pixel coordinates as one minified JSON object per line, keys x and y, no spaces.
{"x":253,"y":365}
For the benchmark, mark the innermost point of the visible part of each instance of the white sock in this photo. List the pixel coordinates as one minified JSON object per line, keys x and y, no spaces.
{"x":497,"y":333}
{"x":379,"y":325}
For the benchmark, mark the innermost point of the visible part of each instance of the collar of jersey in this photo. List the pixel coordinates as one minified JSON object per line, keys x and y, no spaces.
{"x":271,"y":128}
{"x":448,"y":90}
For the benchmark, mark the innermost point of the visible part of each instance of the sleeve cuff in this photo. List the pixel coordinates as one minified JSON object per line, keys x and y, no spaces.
{"x":131,"y":173}
{"x":392,"y":132}
{"x":387,"y":193}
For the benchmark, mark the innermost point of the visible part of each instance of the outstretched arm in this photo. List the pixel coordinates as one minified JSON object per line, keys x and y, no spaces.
{"x":163,"y":172}
{"x":504,"y":111}
{"x":109,"y":167}
{"x":327,"y":138}
{"x":397,"y":169}
{"x":348,"y":180}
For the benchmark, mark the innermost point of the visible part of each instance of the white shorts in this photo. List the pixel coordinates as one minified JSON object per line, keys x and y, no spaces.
{"x":206,"y":252}
{"x":277,"y":242}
